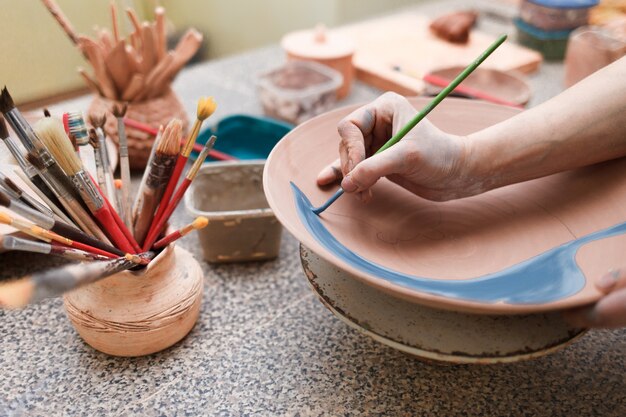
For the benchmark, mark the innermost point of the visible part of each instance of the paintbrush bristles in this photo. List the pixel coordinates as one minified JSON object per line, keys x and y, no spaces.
{"x":16,"y":294}
{"x":6,"y":101}
{"x":4,"y":131}
{"x":5,"y":201}
{"x":206,"y":107}
{"x":200,"y":223}
{"x":94,"y":141}
{"x":170,"y":142}
{"x":52,"y":133}
{"x":120,"y":111}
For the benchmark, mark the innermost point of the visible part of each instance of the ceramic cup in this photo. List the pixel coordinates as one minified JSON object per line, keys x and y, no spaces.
{"x":143,"y":312}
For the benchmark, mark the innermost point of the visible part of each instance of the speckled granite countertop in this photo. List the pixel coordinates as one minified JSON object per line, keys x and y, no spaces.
{"x":264,"y":345}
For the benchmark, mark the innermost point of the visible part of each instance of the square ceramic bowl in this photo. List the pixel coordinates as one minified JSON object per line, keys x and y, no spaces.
{"x":241,"y":227}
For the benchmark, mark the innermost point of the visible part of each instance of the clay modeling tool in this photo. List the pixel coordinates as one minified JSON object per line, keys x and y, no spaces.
{"x":48,"y":222}
{"x":153,"y":234}
{"x":206,"y":107}
{"x":419,"y":116}
{"x":48,"y":236}
{"x":56,"y":282}
{"x":25,"y":245}
{"x":109,"y":190}
{"x":199,"y":223}
{"x":119,"y":112}
{"x":468,"y":91}
{"x":51,"y":131}
{"x":158,"y":172}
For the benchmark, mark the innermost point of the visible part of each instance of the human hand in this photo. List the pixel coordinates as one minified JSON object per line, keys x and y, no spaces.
{"x":610,"y":311}
{"x":427,"y":161}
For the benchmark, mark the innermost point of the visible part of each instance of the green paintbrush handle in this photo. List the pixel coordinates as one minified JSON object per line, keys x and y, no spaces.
{"x":430,"y":106}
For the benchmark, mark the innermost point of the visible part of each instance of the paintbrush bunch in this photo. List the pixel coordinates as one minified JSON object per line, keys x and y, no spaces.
{"x":86,"y":216}
{"x":135,"y":67}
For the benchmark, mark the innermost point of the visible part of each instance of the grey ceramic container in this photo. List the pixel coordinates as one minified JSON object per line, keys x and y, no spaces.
{"x":430,"y":333}
{"x":241,"y":226}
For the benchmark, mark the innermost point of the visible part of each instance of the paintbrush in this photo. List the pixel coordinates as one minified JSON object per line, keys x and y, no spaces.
{"x":154,"y":233}
{"x":94,"y":141}
{"x":206,"y":107}
{"x":146,"y":171}
{"x":68,"y":200}
{"x":419,"y":116}
{"x":119,"y":112}
{"x":158,"y":172}
{"x":29,"y":139}
{"x":48,"y":222}
{"x":57,"y":211}
{"x":199,"y":223}
{"x":56,"y":282}
{"x":22,"y":196}
{"x":25,"y":245}
{"x":51,"y":131}
{"x":28,"y":169}
{"x":76,"y":129}
{"x":47,"y":236}
{"x":109,"y":190}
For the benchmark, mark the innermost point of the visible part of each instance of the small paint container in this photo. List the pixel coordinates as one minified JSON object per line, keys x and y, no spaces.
{"x":241,"y":226}
{"x":551,"y":44}
{"x":554,"y":15}
{"x":298,"y":90}
{"x":245,"y":136}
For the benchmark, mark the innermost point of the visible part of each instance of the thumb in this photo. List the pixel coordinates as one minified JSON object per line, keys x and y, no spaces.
{"x":369,"y":171}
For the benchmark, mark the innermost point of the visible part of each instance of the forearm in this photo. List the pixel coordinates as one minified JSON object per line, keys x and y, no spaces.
{"x":583,"y":125}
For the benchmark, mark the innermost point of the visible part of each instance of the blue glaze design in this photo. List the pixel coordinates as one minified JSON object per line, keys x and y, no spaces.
{"x":547,"y":277}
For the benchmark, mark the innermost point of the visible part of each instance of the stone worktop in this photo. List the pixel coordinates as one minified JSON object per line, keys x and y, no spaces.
{"x":264,"y":344}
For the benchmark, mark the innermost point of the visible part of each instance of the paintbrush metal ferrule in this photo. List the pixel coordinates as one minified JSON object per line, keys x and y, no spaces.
{"x":88,"y":191}
{"x":19,"y":157}
{"x":31,"y":214}
{"x":25,"y":245}
{"x":24,"y":197}
{"x":47,"y":196}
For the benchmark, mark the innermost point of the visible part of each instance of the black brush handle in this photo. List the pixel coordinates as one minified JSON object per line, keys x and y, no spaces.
{"x":39,"y":183}
{"x":73,"y":233}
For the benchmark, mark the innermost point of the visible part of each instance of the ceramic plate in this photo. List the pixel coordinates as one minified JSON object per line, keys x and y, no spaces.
{"x":529,"y":247}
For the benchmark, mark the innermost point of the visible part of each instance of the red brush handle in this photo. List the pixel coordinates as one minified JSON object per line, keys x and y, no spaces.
{"x":91,"y":249}
{"x":140,"y":126}
{"x":169,"y":190}
{"x":107,"y":221}
{"x":167,"y":240}
{"x":154,"y":233}
{"x":118,"y":220}
{"x":469,"y":91}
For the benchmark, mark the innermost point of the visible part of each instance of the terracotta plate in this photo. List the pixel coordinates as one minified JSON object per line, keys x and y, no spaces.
{"x":464,"y":243}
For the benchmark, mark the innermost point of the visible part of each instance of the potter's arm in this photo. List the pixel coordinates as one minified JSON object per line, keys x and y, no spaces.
{"x":583,"y":125}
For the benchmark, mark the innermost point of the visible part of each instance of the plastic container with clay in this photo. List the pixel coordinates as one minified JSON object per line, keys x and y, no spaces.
{"x":241,"y":227}
{"x":551,"y":44}
{"x":298,"y":91}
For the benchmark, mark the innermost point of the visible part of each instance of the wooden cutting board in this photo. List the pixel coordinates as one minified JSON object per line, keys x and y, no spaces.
{"x":403,"y":41}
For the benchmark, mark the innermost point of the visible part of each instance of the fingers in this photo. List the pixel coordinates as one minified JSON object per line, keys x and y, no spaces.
{"x":368,"y":172}
{"x":610,"y":311}
{"x":330,"y":173}
{"x":353,"y":130}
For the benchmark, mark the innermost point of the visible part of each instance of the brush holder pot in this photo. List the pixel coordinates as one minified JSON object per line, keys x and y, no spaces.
{"x":153,"y":112}
{"x":136,"y":313}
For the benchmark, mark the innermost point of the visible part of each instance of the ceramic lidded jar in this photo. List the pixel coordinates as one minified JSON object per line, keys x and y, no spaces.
{"x":143,"y":312}
{"x":330,"y":49}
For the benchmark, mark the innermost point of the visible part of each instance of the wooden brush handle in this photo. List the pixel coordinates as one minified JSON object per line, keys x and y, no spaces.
{"x":77,"y":235}
{"x":178,"y":196}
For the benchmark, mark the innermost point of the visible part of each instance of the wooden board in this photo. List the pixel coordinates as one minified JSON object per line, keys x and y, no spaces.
{"x":404,"y":41}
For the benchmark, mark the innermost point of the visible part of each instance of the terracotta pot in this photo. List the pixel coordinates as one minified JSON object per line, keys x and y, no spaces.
{"x":153,"y":112}
{"x":139,"y":313}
